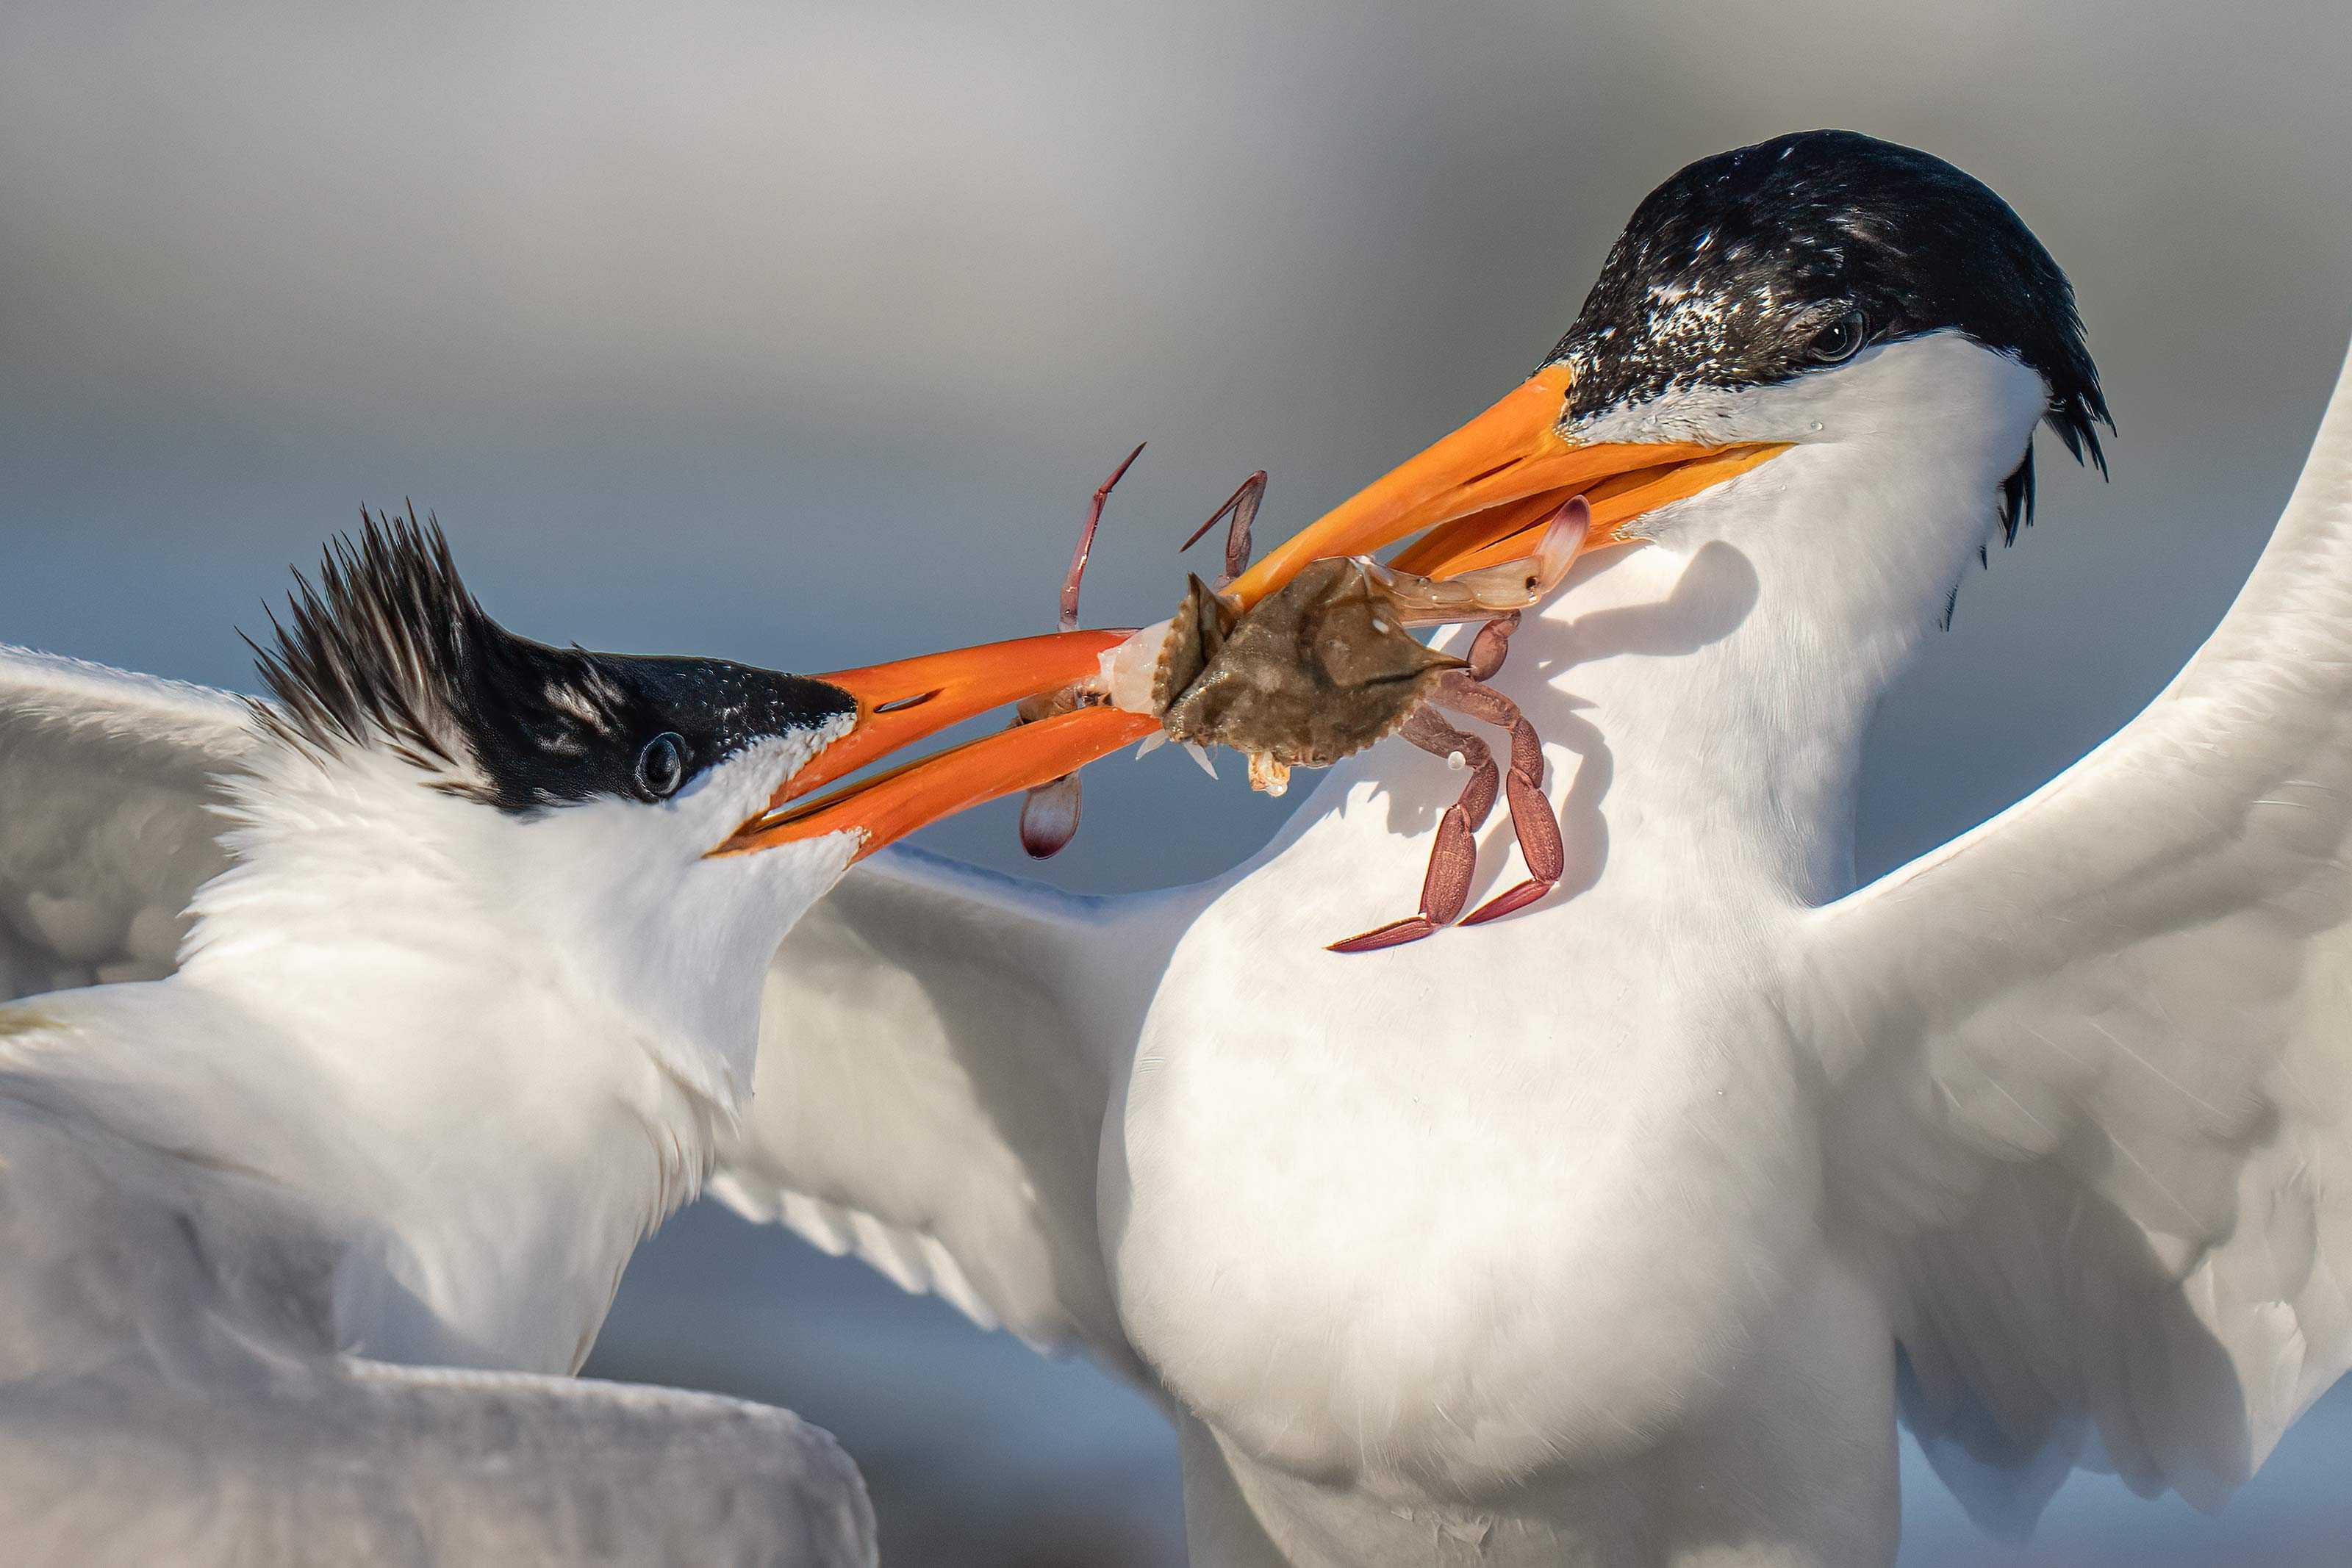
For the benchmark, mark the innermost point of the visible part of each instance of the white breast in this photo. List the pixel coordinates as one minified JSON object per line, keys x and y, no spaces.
{"x":1426,"y":1226}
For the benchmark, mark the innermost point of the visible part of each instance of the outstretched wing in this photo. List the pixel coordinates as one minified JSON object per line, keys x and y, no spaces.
{"x":105,"y":781}
{"x":936,"y":1059}
{"x":2094,"y":1067}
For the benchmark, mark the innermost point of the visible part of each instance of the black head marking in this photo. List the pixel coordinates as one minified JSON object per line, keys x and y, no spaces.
{"x":390,"y":651}
{"x":1744,"y":269}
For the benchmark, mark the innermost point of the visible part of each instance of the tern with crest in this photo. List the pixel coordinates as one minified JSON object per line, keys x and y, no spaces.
{"x":318,"y":1178}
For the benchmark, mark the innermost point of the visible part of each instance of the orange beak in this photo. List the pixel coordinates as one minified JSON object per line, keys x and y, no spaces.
{"x":903,"y":702}
{"x":1481,"y":494}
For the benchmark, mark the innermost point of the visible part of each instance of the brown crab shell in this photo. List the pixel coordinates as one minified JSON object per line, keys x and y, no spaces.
{"x":1311,"y":673}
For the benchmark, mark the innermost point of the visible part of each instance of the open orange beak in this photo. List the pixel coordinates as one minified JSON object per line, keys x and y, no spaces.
{"x":1479,"y":496}
{"x":1482,"y":495}
{"x":903,"y":702}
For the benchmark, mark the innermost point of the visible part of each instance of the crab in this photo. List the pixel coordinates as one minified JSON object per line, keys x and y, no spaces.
{"x":1324,"y":667}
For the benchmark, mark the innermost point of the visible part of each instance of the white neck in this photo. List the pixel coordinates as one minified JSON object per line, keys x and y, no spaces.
{"x":395,"y":1018}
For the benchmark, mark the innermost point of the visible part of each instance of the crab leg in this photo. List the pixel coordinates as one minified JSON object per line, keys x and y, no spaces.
{"x":1049,"y":812}
{"x":1446,"y":887}
{"x":1531,"y":814}
{"x":1242,"y":507}
{"x":1087,"y":540}
{"x":1490,"y":647}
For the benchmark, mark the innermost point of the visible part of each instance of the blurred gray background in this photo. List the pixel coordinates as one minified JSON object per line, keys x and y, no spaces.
{"x":800,"y":333}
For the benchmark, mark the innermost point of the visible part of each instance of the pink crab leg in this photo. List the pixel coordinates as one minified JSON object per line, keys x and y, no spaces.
{"x":1446,"y":887}
{"x":1490,"y":647}
{"x":1531,"y":815}
{"x":1049,"y":812}
{"x":1087,"y":540}
{"x":1242,"y":507}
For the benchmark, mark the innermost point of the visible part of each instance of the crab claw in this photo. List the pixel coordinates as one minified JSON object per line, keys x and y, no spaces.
{"x":1503,"y":589}
{"x":1533,"y":577}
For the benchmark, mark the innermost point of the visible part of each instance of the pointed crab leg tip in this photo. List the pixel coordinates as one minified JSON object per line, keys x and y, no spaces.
{"x":1201,"y":755}
{"x":1077,"y":572}
{"x":1510,"y":902}
{"x":1395,"y":933}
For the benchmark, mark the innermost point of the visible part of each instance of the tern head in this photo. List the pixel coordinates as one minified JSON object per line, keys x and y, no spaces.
{"x":605,"y":823}
{"x":1820,"y":289}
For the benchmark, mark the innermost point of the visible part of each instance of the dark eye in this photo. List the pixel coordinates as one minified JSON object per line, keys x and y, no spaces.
{"x":1839,"y":342}
{"x":661,"y":766}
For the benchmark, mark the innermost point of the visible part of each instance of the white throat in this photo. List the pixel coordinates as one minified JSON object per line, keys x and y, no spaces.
{"x":497,"y":1050}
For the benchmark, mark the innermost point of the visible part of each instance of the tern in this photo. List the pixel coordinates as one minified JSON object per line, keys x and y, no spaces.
{"x":1625,"y":1228}
{"x":304,"y":1237}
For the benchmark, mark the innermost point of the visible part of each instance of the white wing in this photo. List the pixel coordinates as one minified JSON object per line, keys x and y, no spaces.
{"x":169,"y":1394}
{"x":935,"y":1064}
{"x":2094,"y":1068}
{"x":369,"y":1463}
{"x":105,"y":779}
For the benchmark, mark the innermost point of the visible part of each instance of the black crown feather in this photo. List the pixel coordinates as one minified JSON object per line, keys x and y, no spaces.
{"x":1772,"y":241}
{"x":377,"y":651}
{"x":389,"y":651}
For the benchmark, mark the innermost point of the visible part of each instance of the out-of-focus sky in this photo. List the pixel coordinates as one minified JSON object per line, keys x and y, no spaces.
{"x":799,"y":332}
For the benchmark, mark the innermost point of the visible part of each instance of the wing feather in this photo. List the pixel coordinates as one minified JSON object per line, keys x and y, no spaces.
{"x":170,"y":1392}
{"x":2094,"y":1066}
{"x":365,"y":1462}
{"x":933,"y":1079}
{"x":105,"y":781}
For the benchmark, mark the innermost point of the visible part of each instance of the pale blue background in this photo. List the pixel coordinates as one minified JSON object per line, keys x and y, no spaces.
{"x":799,"y":332}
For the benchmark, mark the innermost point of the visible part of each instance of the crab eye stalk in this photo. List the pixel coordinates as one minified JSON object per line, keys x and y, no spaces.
{"x":1838,"y":340}
{"x":661,"y":765}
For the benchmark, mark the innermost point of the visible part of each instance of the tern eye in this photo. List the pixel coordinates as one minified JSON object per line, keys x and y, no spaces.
{"x":1838,"y":342}
{"x":661,"y":766}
